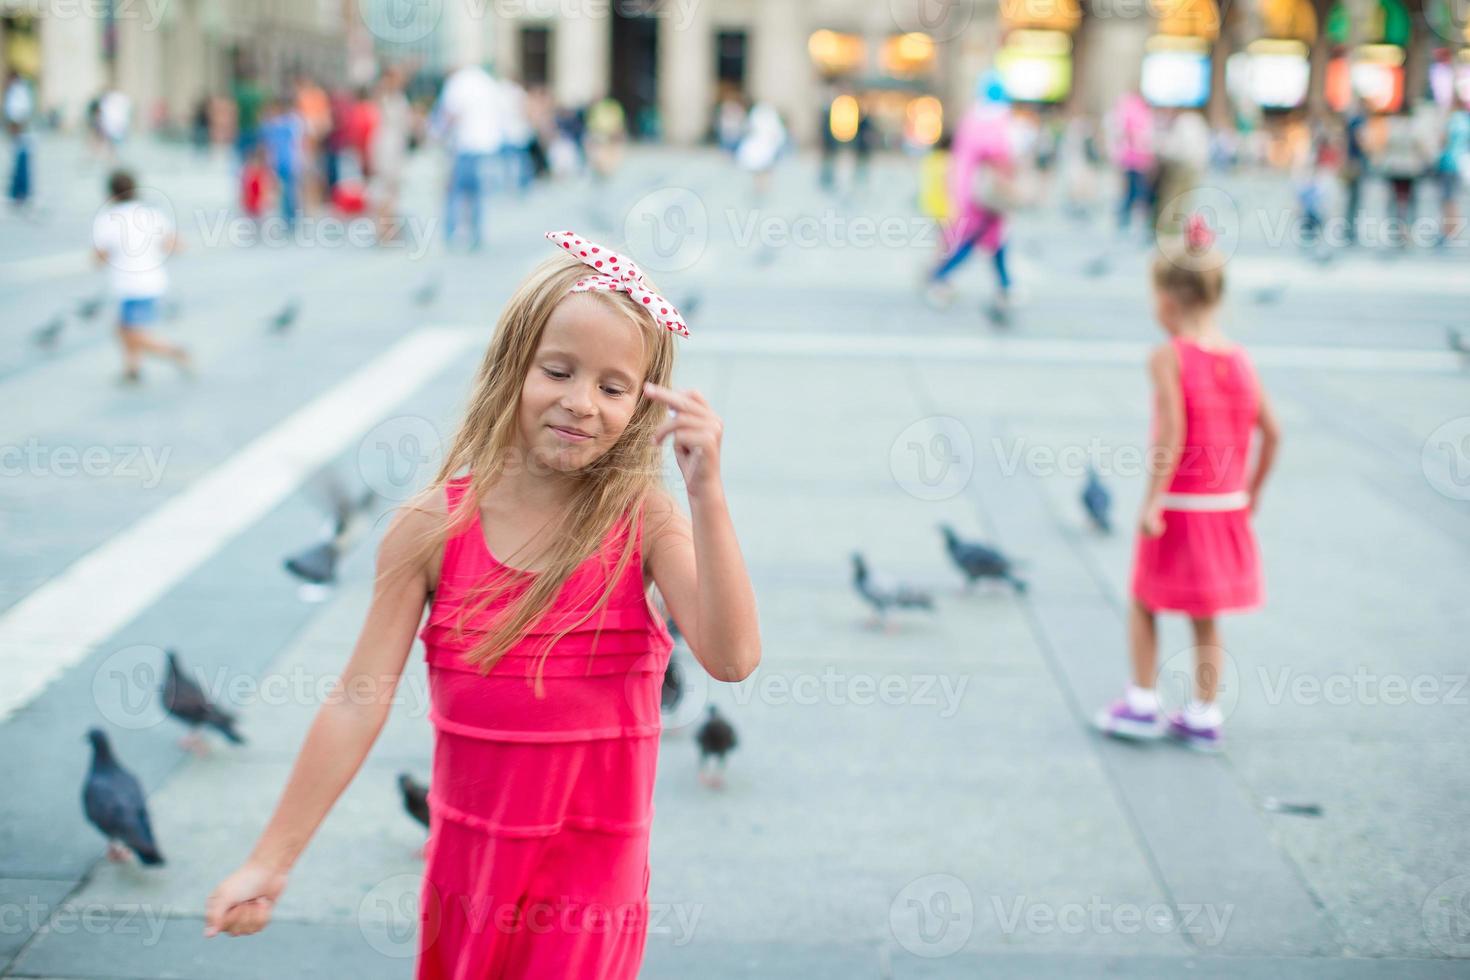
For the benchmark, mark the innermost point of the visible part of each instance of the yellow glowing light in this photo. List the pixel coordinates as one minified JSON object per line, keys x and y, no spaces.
{"x":844,"y":118}
{"x":836,"y":53}
{"x":925,"y":120}
{"x":1193,"y":18}
{"x":907,"y":54}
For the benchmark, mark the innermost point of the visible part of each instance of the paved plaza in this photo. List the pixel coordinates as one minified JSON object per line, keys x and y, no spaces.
{"x":926,"y":801}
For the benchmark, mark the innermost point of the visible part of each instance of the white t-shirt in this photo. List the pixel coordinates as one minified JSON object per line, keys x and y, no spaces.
{"x":134,"y":238}
{"x":113,"y":114}
{"x":471,"y":107}
{"x":19,"y":102}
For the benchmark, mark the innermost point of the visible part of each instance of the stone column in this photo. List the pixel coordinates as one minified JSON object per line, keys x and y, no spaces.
{"x":462,"y":26}
{"x":71,"y":66}
{"x":139,"y":67}
{"x":582,"y":56}
{"x":686,"y":71}
{"x":781,"y":71}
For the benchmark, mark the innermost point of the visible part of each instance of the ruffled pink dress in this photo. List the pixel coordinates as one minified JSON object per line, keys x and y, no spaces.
{"x":1206,"y":561}
{"x":537,"y":861}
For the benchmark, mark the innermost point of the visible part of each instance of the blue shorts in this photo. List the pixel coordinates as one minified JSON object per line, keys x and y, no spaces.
{"x":138,"y":312}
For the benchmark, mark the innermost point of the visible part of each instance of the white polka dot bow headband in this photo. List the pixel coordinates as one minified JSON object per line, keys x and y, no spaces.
{"x":614,"y":273}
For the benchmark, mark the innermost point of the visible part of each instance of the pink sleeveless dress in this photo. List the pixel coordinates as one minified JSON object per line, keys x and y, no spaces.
{"x":537,"y":861}
{"x":1206,"y":561}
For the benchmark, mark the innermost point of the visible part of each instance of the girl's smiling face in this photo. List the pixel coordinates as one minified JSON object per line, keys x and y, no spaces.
{"x":584,"y":383}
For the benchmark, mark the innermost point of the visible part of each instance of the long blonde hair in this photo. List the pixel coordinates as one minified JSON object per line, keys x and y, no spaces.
{"x":610,"y":489}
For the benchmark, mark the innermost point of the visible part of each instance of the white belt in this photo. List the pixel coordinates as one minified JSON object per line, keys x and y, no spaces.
{"x":1239,"y":500}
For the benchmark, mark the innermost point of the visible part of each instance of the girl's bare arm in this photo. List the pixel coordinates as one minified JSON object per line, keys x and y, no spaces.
{"x":1163,"y":457}
{"x":1270,"y":442}
{"x":345,"y":728}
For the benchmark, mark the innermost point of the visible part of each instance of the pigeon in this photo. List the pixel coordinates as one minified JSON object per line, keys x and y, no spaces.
{"x":1458,"y":343}
{"x":883,"y":596}
{"x":1097,"y":502}
{"x":113,"y":802}
{"x":88,"y":308}
{"x":286,"y":318}
{"x":716,"y":738}
{"x":1274,"y":805}
{"x":427,"y":293}
{"x":317,"y":565}
{"x":415,"y":798}
{"x":48,"y":335}
{"x":186,"y":701}
{"x":1269,"y":295}
{"x":979,"y":561}
{"x":673,"y":689}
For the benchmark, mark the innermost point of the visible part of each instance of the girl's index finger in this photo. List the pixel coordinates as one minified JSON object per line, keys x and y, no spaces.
{"x":674,"y":399}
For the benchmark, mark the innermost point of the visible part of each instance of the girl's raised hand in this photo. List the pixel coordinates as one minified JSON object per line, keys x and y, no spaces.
{"x":696,"y":430}
{"x":241,"y":905}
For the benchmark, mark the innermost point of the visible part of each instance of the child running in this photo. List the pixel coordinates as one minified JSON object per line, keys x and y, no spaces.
{"x":134,"y":241}
{"x":1196,"y":552}
{"x":534,"y":547}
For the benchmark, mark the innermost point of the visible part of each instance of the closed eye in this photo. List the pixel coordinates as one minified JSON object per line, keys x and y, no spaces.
{"x":558,"y":375}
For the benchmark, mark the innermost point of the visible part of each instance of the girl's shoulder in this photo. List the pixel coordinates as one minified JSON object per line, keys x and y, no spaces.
{"x":405,"y":545}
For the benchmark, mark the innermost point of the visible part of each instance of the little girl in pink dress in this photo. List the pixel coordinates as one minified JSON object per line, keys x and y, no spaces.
{"x":1196,"y":553}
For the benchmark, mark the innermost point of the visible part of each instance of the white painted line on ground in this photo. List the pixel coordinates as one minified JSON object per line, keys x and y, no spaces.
{"x":59,"y":623}
{"x":1003,"y":350}
{"x":43,"y":267}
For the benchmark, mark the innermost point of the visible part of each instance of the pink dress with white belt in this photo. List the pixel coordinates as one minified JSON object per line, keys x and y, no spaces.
{"x":1206,"y":561}
{"x":537,"y":861}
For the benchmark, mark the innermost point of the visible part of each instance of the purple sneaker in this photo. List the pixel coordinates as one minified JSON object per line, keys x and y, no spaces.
{"x":1205,"y":739}
{"x":1121,"y":721}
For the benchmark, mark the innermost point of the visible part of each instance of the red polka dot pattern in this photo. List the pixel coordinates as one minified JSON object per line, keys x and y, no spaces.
{"x":623,"y":276}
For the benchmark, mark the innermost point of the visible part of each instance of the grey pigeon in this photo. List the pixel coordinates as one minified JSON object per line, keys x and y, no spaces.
{"x":1097,"y":502}
{"x":114,"y":804}
{"x":883,"y":596}
{"x":1269,"y":295}
{"x":716,"y":739}
{"x":187,"y":702}
{"x":88,"y":308}
{"x":673,"y":689}
{"x":415,"y":798}
{"x":286,"y":317}
{"x":979,"y":561}
{"x":49,"y":333}
{"x":427,"y":293}
{"x":317,"y":564}
{"x":1457,"y":342}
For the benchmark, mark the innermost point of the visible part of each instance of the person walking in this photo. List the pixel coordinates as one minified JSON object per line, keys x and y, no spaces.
{"x":468,"y":119}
